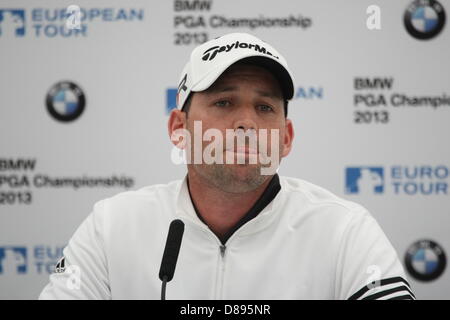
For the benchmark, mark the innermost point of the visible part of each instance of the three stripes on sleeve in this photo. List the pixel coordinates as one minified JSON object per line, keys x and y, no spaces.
{"x":395,"y":288}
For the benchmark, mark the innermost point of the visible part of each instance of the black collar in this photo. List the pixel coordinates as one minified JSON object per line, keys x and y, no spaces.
{"x":268,"y":195}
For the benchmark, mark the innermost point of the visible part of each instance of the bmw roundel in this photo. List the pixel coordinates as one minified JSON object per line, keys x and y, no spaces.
{"x":425,"y":260}
{"x":424,"y":19}
{"x":65,"y":101}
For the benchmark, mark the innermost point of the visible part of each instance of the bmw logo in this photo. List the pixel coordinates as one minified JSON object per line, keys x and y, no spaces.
{"x":65,"y":101}
{"x":424,"y":19}
{"x":425,"y":260}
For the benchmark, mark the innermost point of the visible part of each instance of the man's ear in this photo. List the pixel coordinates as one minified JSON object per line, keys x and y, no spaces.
{"x":288,"y":138}
{"x":176,"y":127}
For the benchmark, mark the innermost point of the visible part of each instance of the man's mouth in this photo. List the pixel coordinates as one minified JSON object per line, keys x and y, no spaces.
{"x":243,"y":150}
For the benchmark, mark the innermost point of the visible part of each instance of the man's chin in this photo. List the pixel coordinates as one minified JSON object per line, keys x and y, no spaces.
{"x":244,"y":177}
{"x":233,"y":178}
{"x":243,"y":170}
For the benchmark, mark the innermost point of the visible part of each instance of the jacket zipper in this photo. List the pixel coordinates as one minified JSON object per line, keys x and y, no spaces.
{"x":221,"y":262}
{"x":222,"y":250}
{"x":221,"y":272}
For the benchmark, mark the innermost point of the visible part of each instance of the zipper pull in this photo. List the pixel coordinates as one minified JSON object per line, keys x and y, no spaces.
{"x":222,"y":250}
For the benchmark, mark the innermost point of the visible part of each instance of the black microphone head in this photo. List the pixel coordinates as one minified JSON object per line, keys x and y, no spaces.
{"x":173,"y":244}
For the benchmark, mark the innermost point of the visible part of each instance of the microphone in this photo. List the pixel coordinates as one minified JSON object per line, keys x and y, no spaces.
{"x":170,"y":256}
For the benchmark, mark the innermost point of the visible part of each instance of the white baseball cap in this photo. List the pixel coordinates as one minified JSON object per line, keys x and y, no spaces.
{"x":209,"y":60}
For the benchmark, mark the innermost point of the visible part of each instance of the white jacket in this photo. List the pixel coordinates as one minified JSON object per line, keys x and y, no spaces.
{"x":306,"y":244}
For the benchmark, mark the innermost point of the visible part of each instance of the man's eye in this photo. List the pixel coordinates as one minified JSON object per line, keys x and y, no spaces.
{"x":222,"y":103}
{"x":265,"y":108}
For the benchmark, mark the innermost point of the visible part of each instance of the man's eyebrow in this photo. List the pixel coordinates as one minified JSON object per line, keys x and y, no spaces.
{"x":219,"y":89}
{"x":263,"y":93}
{"x":269,"y":94}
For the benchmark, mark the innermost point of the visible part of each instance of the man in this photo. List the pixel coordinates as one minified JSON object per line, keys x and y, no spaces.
{"x":249,"y":234}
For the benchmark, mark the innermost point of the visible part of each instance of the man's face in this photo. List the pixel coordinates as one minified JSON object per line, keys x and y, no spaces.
{"x":245,"y":97}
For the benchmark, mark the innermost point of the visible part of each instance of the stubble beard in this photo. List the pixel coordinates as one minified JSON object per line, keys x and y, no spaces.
{"x":235,"y":177}
{"x":231,"y":178}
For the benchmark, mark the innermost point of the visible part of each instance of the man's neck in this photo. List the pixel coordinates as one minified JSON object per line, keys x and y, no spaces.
{"x":218,"y":209}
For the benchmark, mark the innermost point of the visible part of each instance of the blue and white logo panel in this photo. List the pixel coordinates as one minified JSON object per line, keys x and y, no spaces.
{"x":12,"y":23}
{"x":364,"y":180}
{"x":13,"y":260}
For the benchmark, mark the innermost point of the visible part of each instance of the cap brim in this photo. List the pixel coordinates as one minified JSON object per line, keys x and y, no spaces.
{"x":278,"y":70}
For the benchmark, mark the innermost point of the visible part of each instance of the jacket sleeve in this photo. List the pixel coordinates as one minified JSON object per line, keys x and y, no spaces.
{"x":368,"y":267}
{"x":82,"y":272}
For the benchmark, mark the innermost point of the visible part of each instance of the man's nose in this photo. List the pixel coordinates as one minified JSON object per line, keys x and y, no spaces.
{"x":245,"y":119}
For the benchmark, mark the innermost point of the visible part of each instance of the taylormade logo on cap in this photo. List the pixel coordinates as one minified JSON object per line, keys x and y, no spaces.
{"x":212,"y":52}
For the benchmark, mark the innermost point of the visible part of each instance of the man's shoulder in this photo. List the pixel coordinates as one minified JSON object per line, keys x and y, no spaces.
{"x":313,"y":196}
{"x":316,"y":211}
{"x":154,"y":191}
{"x":151,"y":196}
